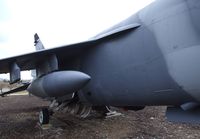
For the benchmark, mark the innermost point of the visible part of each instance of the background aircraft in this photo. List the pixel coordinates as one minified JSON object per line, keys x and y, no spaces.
{"x":150,"y":59}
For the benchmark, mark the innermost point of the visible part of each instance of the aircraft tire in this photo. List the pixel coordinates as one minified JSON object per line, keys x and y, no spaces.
{"x":44,"y":116}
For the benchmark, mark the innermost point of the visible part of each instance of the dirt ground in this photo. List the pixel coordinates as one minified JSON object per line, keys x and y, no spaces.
{"x":19,"y":119}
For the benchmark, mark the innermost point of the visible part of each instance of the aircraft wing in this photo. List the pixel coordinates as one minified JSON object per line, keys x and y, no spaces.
{"x":30,"y":60}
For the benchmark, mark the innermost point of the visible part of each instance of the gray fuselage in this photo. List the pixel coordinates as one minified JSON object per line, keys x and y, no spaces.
{"x":155,"y":64}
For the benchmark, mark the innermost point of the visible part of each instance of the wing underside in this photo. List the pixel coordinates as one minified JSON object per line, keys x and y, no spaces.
{"x":30,"y":61}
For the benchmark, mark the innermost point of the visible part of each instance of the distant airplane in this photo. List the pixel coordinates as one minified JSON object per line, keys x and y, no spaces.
{"x":150,"y":59}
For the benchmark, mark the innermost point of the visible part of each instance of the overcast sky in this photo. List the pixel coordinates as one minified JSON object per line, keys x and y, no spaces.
{"x":58,"y":22}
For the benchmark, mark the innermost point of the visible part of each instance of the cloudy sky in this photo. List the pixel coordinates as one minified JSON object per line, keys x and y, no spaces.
{"x":58,"y":22}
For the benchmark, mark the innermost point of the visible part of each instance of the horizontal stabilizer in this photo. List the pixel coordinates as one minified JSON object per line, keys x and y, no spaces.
{"x":177,"y":114}
{"x":18,"y":89}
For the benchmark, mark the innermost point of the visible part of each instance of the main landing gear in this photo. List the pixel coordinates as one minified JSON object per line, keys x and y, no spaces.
{"x":44,"y":116}
{"x":76,"y":109}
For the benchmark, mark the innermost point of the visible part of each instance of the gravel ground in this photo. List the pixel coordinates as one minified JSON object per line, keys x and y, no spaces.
{"x":19,"y":119}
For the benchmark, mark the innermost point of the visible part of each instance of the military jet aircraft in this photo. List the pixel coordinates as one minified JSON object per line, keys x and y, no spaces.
{"x":150,"y":59}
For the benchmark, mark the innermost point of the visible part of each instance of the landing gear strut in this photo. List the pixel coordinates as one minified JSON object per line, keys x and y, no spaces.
{"x":44,"y":116}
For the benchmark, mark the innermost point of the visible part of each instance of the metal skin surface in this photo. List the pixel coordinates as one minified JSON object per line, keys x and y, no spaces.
{"x":156,"y":64}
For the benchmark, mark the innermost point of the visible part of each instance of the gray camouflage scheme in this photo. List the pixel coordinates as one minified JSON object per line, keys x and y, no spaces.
{"x":151,"y":58}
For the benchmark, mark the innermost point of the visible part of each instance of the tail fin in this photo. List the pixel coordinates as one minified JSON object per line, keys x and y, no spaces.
{"x":37,"y":43}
